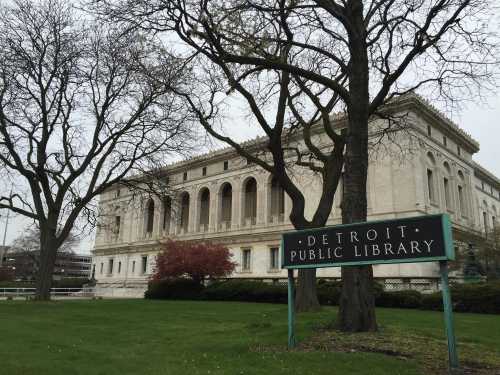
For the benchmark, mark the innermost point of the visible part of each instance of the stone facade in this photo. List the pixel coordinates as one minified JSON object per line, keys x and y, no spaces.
{"x":425,"y":168}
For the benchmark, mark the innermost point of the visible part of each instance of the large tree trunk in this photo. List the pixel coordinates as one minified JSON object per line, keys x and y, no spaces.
{"x":357,"y":306}
{"x":306,"y":298}
{"x":48,"y":253}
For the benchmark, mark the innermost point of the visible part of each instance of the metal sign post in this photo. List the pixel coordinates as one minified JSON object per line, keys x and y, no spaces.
{"x":417,"y":239}
{"x":291,"y":310}
{"x":448,"y":315}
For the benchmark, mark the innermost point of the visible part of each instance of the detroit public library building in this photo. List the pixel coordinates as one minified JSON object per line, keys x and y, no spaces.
{"x":426,"y":168}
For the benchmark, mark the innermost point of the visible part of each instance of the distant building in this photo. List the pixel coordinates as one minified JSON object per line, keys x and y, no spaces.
{"x":3,"y":250}
{"x":68,"y":265}
{"x":424,"y":169}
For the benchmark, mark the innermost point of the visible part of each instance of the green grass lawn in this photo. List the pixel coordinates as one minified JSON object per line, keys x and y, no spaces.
{"x":175,"y":337}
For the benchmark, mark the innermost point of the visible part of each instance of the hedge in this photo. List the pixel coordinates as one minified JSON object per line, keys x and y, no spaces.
{"x":476,"y":298}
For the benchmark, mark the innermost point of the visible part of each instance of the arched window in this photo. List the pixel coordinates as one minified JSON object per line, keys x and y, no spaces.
{"x":204,"y":209}
{"x":184,"y":211}
{"x":226,"y":205}
{"x":277,"y":209}
{"x":250,"y":202}
{"x":167,"y":213}
{"x":150,"y":216}
{"x":431,"y":189}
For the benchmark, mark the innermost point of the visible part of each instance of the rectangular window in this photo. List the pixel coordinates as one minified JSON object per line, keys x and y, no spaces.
{"x":447,"y":197}
{"x":102,"y":268}
{"x":226,"y":165}
{"x":110,"y":266}
{"x":184,"y":176}
{"x":119,"y":267}
{"x":246,"y":259}
{"x":117,"y":192}
{"x":273,"y":258}
{"x":144,"y":264}
{"x":133,"y":266}
{"x":459,"y":151}
{"x":444,"y":141}
{"x":429,"y":131}
{"x":204,"y":171}
{"x":430,"y":185}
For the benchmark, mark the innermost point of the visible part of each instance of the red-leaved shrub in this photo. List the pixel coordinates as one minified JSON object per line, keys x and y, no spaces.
{"x":196,"y":260}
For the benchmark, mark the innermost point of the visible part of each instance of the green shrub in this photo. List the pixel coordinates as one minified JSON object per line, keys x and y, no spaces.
{"x":433,"y":301}
{"x":408,"y":299}
{"x":243,"y":290}
{"x":474,"y":298}
{"x":174,"y":289}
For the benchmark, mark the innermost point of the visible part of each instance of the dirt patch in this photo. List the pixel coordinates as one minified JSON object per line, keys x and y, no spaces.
{"x":430,"y":353}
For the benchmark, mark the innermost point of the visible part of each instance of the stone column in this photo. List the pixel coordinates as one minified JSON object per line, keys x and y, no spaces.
{"x":213,"y":219}
{"x":193,"y":210}
{"x":261,"y":198}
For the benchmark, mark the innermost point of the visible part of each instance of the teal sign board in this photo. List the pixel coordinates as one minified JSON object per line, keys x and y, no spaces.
{"x":417,"y":239}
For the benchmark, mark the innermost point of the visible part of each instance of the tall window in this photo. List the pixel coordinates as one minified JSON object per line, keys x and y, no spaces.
{"x":117,"y":226}
{"x":429,"y":130}
{"x":110,"y":266}
{"x":273,"y":258}
{"x":447,"y":197}
{"x":204,"y":209}
{"x":226,"y":204}
{"x":485,"y":223}
{"x":102,"y":268}
{"x":185,"y":211}
{"x":167,"y":213}
{"x":250,"y":205}
{"x":226,"y":165}
{"x":144,"y":264}
{"x":150,"y":216}
{"x":444,"y":141}
{"x":246,"y":259}
{"x":430,"y":186}
{"x":277,"y":201}
{"x":461,"y":200}
{"x":184,"y":176}
{"x":133,"y":267}
{"x":119,"y":267}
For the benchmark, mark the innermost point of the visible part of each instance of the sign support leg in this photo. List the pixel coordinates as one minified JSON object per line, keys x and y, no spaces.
{"x":448,"y":316}
{"x":291,"y":310}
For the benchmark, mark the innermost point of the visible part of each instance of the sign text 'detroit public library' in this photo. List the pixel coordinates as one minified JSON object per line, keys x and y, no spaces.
{"x":418,"y":239}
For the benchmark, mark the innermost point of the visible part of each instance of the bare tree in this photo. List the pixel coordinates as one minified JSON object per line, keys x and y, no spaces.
{"x":77,"y":115}
{"x":28,"y":246}
{"x":365,"y":53}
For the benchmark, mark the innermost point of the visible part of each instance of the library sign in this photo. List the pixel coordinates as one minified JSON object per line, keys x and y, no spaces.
{"x":417,"y":239}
